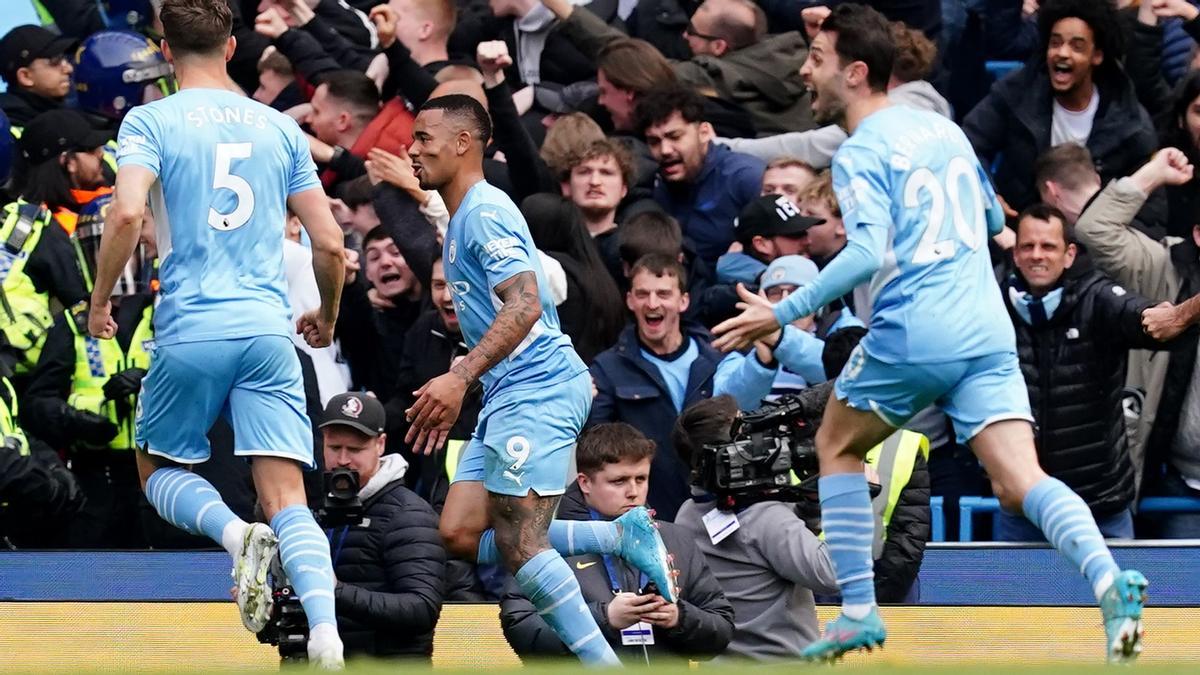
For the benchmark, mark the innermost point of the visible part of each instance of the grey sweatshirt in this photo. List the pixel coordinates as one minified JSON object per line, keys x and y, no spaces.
{"x":818,"y":145}
{"x":769,"y":569}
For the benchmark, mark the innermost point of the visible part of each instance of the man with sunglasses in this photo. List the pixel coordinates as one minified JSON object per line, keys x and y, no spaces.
{"x":34,"y":64}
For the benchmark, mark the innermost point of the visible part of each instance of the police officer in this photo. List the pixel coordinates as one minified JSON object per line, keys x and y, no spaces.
{"x":82,"y":396}
{"x":62,"y":164}
{"x":37,"y":261}
{"x":38,"y":494}
{"x":115,"y":71}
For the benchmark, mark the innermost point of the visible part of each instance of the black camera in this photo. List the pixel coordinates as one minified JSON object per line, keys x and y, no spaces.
{"x":771,"y":455}
{"x":340,"y":504}
{"x":288,"y":627}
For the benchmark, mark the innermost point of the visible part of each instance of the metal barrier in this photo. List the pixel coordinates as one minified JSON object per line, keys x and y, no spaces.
{"x":969,"y":506}
{"x":937,"y":519}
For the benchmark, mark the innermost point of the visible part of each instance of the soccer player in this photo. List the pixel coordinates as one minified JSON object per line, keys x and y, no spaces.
{"x":918,"y":209}
{"x":537,"y":393}
{"x":220,"y":171}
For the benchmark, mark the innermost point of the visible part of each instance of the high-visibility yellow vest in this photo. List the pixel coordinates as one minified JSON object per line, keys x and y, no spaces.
{"x":453,"y":454}
{"x":24,"y":312}
{"x":894,"y":460}
{"x":44,"y":16}
{"x":8,"y":420}
{"x":96,"y":361}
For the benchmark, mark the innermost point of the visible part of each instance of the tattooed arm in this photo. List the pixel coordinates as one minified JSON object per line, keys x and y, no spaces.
{"x":439,"y":401}
{"x":521,"y":309}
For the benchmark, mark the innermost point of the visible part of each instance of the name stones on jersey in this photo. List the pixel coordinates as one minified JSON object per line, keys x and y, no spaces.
{"x":201,"y":115}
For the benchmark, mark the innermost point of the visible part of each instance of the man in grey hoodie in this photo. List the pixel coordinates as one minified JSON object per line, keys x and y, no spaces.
{"x":770,"y":566}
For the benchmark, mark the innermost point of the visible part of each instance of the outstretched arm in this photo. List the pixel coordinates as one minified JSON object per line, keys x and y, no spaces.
{"x":439,"y":401}
{"x":122,"y":228}
{"x":1165,"y":321}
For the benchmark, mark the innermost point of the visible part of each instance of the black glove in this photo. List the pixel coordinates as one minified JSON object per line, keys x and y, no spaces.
{"x":124,"y":384}
{"x":89,"y":427}
{"x":68,"y":498}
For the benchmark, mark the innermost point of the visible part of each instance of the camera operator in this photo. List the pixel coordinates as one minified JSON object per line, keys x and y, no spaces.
{"x":614,"y":463}
{"x":388,"y":557}
{"x":771,"y":563}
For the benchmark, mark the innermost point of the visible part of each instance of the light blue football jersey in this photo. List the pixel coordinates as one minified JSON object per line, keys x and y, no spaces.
{"x":486,"y":244}
{"x":911,"y":177}
{"x":226,"y":165}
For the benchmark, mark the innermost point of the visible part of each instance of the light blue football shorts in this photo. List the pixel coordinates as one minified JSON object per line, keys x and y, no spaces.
{"x":972,"y":392}
{"x":525,"y":438}
{"x":254,"y":383}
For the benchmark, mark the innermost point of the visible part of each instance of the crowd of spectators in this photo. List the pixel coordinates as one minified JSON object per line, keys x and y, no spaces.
{"x":665,"y":158}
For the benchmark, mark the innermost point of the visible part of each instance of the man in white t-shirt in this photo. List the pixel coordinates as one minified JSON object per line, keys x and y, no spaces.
{"x":1075,"y":93}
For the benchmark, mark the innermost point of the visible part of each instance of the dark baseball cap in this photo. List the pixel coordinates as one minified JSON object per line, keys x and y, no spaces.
{"x":770,"y":216}
{"x":21,"y":45}
{"x":56,"y":131}
{"x":357,"y":411}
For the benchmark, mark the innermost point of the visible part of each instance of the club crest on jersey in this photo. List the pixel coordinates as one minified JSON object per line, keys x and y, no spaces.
{"x":352,"y":408}
{"x":453,"y":253}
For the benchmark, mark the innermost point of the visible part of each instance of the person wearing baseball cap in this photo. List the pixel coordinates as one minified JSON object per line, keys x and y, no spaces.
{"x":789,"y":359}
{"x":62,"y":164}
{"x":768,"y":227}
{"x":34,"y":64}
{"x":390,"y":565}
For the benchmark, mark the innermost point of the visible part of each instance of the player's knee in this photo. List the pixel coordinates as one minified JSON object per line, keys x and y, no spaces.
{"x":829,"y":445}
{"x":1011,"y":495}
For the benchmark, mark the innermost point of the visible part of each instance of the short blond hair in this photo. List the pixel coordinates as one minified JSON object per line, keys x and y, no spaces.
{"x":821,"y":190}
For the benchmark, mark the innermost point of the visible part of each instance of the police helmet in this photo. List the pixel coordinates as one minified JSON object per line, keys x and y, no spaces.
{"x":117,"y":70}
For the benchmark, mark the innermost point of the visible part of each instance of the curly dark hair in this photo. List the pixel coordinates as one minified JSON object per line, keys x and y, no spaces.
{"x":1099,"y":15}
{"x":658,"y":105}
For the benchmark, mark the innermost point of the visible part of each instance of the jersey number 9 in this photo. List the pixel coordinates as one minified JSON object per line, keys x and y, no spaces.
{"x":967,"y":225}
{"x":223,"y":178}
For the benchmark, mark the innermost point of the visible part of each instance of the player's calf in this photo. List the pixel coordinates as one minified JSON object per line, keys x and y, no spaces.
{"x":521,"y":527}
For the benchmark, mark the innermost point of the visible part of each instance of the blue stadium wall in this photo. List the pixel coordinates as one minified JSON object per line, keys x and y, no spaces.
{"x":63,"y":611}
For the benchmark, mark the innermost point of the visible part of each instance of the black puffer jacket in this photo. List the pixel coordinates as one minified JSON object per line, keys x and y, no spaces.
{"x":1074,"y":368}
{"x":390,"y":570}
{"x":1012,"y":125}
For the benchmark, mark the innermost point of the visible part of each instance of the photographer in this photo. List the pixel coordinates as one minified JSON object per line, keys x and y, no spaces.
{"x":614,"y":472}
{"x":770,"y":565}
{"x":388,"y":557}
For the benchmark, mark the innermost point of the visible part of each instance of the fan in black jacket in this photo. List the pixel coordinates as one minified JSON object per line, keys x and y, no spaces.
{"x":390,"y":566}
{"x":1074,"y":330}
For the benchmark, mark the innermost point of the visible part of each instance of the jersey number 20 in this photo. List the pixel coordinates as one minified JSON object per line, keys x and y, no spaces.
{"x":967,"y":225}
{"x":223,"y":178}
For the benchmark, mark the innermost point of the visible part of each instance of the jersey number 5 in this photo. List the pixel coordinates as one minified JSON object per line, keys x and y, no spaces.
{"x":222,"y":178}
{"x":967,"y":225}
